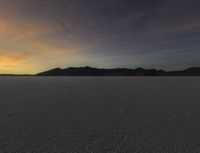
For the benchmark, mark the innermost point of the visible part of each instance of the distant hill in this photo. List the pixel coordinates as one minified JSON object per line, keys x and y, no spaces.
{"x":90,"y":71}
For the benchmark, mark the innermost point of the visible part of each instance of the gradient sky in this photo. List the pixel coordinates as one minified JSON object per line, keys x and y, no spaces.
{"x":37,"y":35}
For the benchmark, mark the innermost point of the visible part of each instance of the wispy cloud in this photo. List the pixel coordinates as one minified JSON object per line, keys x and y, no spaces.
{"x":13,"y":61}
{"x":74,"y":32}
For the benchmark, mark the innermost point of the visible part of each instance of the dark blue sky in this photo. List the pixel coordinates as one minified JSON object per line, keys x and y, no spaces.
{"x":40,"y":34}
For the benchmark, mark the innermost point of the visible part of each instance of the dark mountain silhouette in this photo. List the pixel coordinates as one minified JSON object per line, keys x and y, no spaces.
{"x":90,"y":71}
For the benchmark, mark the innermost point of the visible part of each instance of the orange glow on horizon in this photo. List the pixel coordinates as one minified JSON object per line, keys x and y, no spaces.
{"x":24,"y":49}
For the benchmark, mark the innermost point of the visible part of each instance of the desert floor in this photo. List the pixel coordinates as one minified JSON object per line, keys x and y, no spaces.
{"x":99,"y":115}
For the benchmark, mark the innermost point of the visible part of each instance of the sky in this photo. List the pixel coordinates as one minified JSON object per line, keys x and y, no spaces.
{"x":37,"y":35}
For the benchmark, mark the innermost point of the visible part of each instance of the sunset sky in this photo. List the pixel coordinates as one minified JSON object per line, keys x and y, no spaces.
{"x":36,"y":35}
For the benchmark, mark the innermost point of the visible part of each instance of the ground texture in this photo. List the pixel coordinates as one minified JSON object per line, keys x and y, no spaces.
{"x":99,"y":115}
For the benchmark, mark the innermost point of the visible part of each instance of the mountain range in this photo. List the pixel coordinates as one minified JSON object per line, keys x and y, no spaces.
{"x":90,"y":71}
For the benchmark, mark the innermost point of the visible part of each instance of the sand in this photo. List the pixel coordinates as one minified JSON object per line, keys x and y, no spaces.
{"x":99,"y":115}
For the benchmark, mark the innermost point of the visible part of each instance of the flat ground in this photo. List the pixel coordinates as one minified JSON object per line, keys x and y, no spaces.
{"x":99,"y":115}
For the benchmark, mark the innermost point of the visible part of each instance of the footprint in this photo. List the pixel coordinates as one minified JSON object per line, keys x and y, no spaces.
{"x":10,"y":114}
{"x":123,"y":110}
{"x":80,"y":102}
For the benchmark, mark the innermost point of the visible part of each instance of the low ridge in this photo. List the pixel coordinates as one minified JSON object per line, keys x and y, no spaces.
{"x":90,"y":71}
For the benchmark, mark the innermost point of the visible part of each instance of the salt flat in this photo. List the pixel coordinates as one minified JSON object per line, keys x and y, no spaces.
{"x":99,"y":115}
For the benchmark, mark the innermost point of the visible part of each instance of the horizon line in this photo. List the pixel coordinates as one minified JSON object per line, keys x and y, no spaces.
{"x":33,"y":74}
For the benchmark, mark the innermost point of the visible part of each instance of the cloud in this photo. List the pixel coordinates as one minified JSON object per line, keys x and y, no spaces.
{"x":13,"y":60}
{"x":74,"y":32}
